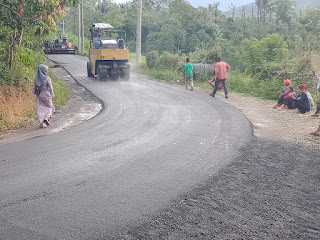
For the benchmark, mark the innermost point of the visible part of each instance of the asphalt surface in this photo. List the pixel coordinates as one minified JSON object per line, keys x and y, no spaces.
{"x":270,"y":191}
{"x":151,"y":143}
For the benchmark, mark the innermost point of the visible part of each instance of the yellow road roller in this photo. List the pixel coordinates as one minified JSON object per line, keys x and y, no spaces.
{"x":108,"y":55}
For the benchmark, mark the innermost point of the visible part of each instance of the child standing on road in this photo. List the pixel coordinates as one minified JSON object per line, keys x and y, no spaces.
{"x":188,"y":74}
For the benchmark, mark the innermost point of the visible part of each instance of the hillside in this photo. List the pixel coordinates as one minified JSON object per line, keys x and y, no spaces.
{"x":224,"y":5}
{"x":251,"y":8}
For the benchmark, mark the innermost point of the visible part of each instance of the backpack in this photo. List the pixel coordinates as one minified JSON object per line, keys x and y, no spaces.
{"x":37,"y":90}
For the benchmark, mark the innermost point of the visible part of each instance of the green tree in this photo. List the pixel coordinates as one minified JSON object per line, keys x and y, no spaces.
{"x":263,"y":56}
{"x":21,"y":13}
{"x":284,"y":10}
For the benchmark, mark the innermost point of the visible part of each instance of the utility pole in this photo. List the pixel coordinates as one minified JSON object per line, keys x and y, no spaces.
{"x":82,"y":28}
{"x":63,"y":27}
{"x":79,"y":30}
{"x":138,"y":43}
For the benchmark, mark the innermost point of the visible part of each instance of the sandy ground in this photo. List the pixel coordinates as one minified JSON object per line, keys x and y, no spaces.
{"x":287,"y":126}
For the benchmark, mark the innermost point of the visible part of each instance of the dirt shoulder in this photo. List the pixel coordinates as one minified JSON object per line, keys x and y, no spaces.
{"x":270,"y":191}
{"x":80,"y":107}
{"x":287,"y":126}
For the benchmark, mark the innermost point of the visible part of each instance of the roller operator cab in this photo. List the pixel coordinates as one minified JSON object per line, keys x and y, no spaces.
{"x":108,"y":55}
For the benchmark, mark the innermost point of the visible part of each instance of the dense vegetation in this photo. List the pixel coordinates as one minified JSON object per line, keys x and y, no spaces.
{"x":23,"y":26}
{"x":263,"y":48}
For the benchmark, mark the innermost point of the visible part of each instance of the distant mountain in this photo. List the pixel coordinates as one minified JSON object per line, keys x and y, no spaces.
{"x":252,"y":8}
{"x":224,"y":4}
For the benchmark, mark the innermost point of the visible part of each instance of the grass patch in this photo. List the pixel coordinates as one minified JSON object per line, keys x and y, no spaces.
{"x":17,"y":103}
{"x":264,"y":89}
{"x":133,"y":61}
{"x":161,"y":74}
{"x":60,"y":90}
{"x":237,"y":82}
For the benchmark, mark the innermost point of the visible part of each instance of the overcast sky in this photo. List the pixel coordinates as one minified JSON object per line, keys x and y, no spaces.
{"x":223,"y":3}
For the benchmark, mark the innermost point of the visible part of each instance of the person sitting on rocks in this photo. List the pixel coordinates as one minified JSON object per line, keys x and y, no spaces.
{"x":289,"y":99}
{"x":301,"y":101}
{"x":287,"y":83}
{"x":284,"y":92}
{"x":286,"y":99}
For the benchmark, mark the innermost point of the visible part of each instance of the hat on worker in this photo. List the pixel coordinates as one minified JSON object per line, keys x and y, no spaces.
{"x":304,"y":86}
{"x":287,"y":82}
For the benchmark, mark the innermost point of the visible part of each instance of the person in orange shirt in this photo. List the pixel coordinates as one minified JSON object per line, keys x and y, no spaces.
{"x":221,"y":74}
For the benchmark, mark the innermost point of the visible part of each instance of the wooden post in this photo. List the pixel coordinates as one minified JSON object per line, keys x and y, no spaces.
{"x":82,"y":28}
{"x":79,"y":29}
{"x":138,"y":43}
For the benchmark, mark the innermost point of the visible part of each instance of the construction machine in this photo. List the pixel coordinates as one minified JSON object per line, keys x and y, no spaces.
{"x":108,"y":55}
{"x":59,"y":46}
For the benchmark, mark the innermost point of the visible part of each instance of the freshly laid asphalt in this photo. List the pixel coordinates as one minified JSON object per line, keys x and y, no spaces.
{"x":151,"y":143}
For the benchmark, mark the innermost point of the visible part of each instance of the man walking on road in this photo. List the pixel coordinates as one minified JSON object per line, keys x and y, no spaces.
{"x":221,"y":74}
{"x":188,"y":74}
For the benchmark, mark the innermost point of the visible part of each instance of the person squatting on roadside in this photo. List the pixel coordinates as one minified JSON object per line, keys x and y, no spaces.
{"x":284,"y":93}
{"x":221,"y":74}
{"x":311,"y":102}
{"x":287,"y":99}
{"x":44,"y":92}
{"x":317,"y":113}
{"x":188,"y":74}
{"x":301,"y":101}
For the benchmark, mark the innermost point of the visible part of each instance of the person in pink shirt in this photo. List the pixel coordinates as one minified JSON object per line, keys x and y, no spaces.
{"x":221,"y":74}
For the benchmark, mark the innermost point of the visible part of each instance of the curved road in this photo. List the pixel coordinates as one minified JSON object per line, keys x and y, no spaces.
{"x":151,"y":143}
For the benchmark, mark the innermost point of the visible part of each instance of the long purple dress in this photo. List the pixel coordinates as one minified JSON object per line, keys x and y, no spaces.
{"x":44,"y":105}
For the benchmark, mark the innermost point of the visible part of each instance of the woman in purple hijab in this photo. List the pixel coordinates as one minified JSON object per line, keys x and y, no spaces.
{"x":44,"y":92}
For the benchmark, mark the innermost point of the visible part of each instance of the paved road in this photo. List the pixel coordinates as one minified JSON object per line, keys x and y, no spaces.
{"x":151,"y":143}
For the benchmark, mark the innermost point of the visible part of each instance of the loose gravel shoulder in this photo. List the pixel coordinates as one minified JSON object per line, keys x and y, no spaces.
{"x":270,"y":191}
{"x":287,"y":126}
